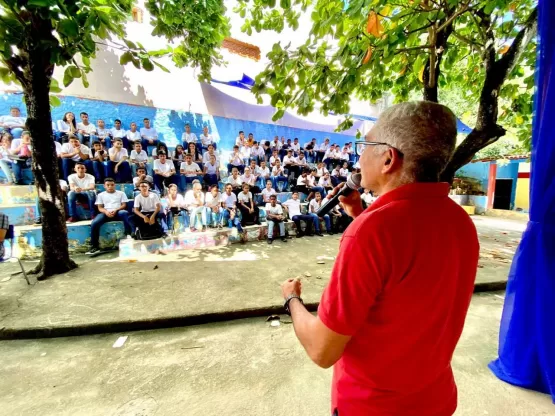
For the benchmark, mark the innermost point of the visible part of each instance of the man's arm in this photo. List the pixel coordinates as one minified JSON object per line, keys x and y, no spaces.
{"x":82,"y":155}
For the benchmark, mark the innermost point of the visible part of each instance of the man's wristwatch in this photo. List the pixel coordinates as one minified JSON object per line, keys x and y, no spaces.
{"x":288,"y":299}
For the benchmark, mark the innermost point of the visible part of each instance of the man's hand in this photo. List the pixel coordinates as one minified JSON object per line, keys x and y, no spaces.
{"x":116,"y":168}
{"x":152,"y":219}
{"x":352,"y":204}
{"x":110,"y":213}
{"x":291,"y":287}
{"x":146,"y":219}
{"x":78,"y":190}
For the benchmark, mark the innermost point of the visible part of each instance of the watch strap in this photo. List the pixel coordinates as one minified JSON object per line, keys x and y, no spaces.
{"x":288,"y":299}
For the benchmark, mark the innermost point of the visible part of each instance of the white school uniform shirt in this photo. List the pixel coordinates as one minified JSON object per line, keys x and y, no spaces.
{"x":65,"y":127}
{"x":58,"y":148}
{"x":344,"y":172}
{"x":259,"y":152}
{"x":311,"y":181}
{"x":238,"y":141}
{"x":263,"y":172}
{"x":314,"y":206}
{"x":5,"y":153}
{"x":150,"y":133}
{"x":190,"y":170}
{"x":189,"y":137}
{"x":344,"y":155}
{"x":244,"y":198}
{"x":139,"y":157}
{"x":163,"y":167}
{"x":296,"y":147}
{"x":84,"y":182}
{"x":111,"y":200}
{"x":275,"y":145}
{"x":277,"y":210}
{"x":88,"y":129}
{"x":250,"y":180}
{"x":245,"y":151}
{"x":212,"y":201}
{"x":191,"y":201}
{"x":147,"y":203}
{"x":211,"y":169}
{"x":273,"y":159}
{"x":277,"y":171}
{"x":289,"y":160}
{"x":63,"y":185}
{"x":206,"y":157}
{"x":68,"y":148}
{"x":234,"y":182}
{"x":303,"y":181}
{"x":119,"y":155}
{"x":236,"y":159}
{"x":329,"y":154}
{"x":324,"y":147}
{"x":178,"y":202}
{"x":229,"y":201}
{"x":301,"y":162}
{"x":206,"y":140}
{"x":323,"y":182}
{"x":266,"y":194}
{"x":102,"y":133}
{"x":10,"y":121}
{"x":133,"y":136}
{"x":335,"y":172}
{"x":115,"y":133}
{"x":147,"y":178}
{"x":293,"y":206}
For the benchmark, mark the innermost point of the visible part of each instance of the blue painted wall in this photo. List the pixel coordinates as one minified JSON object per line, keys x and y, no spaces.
{"x":170,"y":124}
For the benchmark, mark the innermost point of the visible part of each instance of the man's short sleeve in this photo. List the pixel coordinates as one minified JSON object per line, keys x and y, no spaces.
{"x":357,"y":279}
{"x":124,"y":197}
{"x":99,"y":199}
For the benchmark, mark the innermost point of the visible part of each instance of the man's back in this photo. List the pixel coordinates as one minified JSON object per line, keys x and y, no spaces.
{"x":401,"y":288}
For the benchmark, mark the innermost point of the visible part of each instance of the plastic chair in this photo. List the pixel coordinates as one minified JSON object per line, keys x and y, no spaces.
{"x":10,"y":236}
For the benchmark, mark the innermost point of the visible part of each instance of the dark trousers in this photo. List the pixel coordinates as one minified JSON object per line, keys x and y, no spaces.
{"x":101,"y":218}
{"x":138,"y":222}
{"x":311,"y":223}
{"x":124,"y":171}
{"x":211,"y":179}
{"x":72,"y":197}
{"x":248,"y":218}
{"x":160,"y":181}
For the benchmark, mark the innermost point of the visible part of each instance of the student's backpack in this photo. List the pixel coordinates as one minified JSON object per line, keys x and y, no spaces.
{"x":148,"y":231}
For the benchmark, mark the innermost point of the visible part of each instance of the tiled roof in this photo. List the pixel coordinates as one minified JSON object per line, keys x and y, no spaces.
{"x":241,"y":48}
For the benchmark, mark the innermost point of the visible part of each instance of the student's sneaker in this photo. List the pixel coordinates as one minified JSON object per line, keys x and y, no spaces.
{"x":93,"y":250}
{"x":331,"y":233}
{"x":299,"y":235}
{"x":319,"y":234}
{"x":284,"y":239}
{"x":270,"y":241}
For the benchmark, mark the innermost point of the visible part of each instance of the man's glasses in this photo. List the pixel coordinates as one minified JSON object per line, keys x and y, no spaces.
{"x":360,"y":145}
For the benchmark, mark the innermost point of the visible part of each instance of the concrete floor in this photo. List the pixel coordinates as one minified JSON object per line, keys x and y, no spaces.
{"x":242,"y":368}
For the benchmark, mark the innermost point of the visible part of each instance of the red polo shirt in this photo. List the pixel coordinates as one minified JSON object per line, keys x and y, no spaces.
{"x":401,"y":287}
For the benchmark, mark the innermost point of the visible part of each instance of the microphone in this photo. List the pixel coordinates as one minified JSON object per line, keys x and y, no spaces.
{"x":352,"y":184}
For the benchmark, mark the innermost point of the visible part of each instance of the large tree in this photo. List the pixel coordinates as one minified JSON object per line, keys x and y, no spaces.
{"x":39,"y":35}
{"x":484,"y":49}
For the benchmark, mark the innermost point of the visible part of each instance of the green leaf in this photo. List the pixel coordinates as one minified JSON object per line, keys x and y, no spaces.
{"x":68,"y":78}
{"x":74,"y":71}
{"x":86,"y":60}
{"x":126,"y":58}
{"x":278,"y":114}
{"x":147,"y":64}
{"x":54,"y":101}
{"x":38,"y":3}
{"x":84,"y":79}
{"x":104,"y":9}
{"x":162,"y":67}
{"x":68,"y":28}
{"x":54,"y":86}
{"x":130,"y":45}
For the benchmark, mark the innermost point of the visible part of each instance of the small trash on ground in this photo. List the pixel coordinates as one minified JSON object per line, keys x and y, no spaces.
{"x":131,"y":261}
{"x":318,"y":277}
{"x":325,"y":258}
{"x":5,"y":279}
{"x":273,"y":318}
{"x":120,"y":341}
{"x":307,"y":274}
{"x":155,"y":267}
{"x":194,"y":347}
{"x":274,"y":323}
{"x":43,"y":354}
{"x":480,"y":266}
{"x":320,"y":262}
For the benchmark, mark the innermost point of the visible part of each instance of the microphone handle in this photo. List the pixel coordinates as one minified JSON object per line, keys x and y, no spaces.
{"x":334,"y":201}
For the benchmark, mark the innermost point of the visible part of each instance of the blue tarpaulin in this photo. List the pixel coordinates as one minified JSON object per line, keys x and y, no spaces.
{"x":527,"y":334}
{"x":245,"y":82}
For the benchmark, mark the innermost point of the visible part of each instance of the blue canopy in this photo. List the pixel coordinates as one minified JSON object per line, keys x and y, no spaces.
{"x":527,"y":334}
{"x":245,"y":82}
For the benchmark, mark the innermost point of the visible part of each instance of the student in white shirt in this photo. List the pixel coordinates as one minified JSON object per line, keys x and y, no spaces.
{"x":275,"y":157}
{"x":248,"y":178}
{"x":14,"y":123}
{"x":263,"y":173}
{"x":178,"y":156}
{"x":117,"y":132}
{"x":278,"y":177}
{"x":211,"y":171}
{"x":325,"y":183}
{"x":175,"y":206}
{"x":206,"y":139}
{"x":141,"y":177}
{"x":133,"y":136}
{"x":274,"y":215}
{"x":322,"y":149}
{"x":81,"y":185}
{"x":72,"y":152}
{"x":98,"y":158}
{"x":118,"y":165}
{"x":66,"y":126}
{"x":290,"y":163}
{"x":313,"y":207}
{"x":229,"y":205}
{"x":249,"y":210}
{"x":148,"y":209}
{"x":213,"y":207}
{"x":246,"y":153}
{"x":235,"y":181}
{"x":138,"y":158}
{"x":194,"y":204}
{"x":344,"y":172}
{"x":293,"y":207}
{"x":188,"y":137}
{"x":240,"y":140}
{"x":112,"y":206}
{"x":306,"y":184}
{"x":236,"y":160}
{"x":210,"y":152}
{"x":336,"y":176}
{"x":301,"y":161}
{"x":276,"y":144}
{"x":103,"y":134}
{"x":257,"y":153}
{"x":296,"y":146}
{"x":190,"y":172}
{"x":267,"y":192}
{"x":195,"y":153}
{"x":367,"y":197}
{"x":164,"y":172}
{"x":149,"y":135}
{"x":86,"y":131}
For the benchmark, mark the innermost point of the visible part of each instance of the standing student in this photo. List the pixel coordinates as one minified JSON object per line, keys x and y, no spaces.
{"x":149,"y":135}
{"x":211,"y":171}
{"x":190,"y":172}
{"x":86,"y":131}
{"x":213,"y":205}
{"x":118,"y":165}
{"x":274,"y":215}
{"x":229,"y":202}
{"x":249,"y":210}
{"x":293,"y":207}
{"x":138,"y":158}
{"x":313,"y":207}
{"x":164,"y":172}
{"x":81,"y":184}
{"x":112,"y":206}
{"x":148,"y":209}
{"x":194,"y":203}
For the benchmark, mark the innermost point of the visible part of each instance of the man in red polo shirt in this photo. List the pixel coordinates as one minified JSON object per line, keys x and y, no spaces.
{"x":394,"y":309}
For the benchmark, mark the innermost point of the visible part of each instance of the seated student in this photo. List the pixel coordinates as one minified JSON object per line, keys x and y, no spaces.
{"x":322,"y":149}
{"x":190,"y":172}
{"x":194,"y":204}
{"x":206,"y":139}
{"x":246,"y":153}
{"x":301,"y":162}
{"x":290,"y":163}
{"x":86,"y":131}
{"x":285,"y":146}
{"x":274,"y":215}
{"x":229,"y":202}
{"x":250,"y":140}
{"x":296,"y":147}
{"x":278,"y":177}
{"x":66,"y":126}
{"x":194,"y":151}
{"x":175,"y":207}
{"x":249,"y":210}
{"x":313,"y":207}
{"x":293,"y":207}
{"x":138,"y":158}
{"x":98,"y":157}
{"x":240,"y":140}
{"x":210,"y":152}
{"x":306,"y":185}
{"x":112,"y":206}
{"x":235,"y":181}
{"x":263,"y":173}
{"x":368,"y":198}
{"x":118,"y":166}
{"x":339,"y":219}
{"x":267,"y":192}
{"x":148,"y":209}
{"x":321,"y":170}
{"x":164,"y":173}
{"x":267,"y":150}
{"x":21,"y":157}
{"x":81,"y":184}
{"x":73,"y":152}
{"x":103,"y":134}
{"x":274,"y":158}
{"x":331,"y":157}
{"x":310,"y":151}
{"x":325,"y":183}
{"x":133,"y":136}
{"x":336,"y":175}
{"x":142,"y":176}
{"x":250,"y":179}
{"x":213,"y":206}
{"x":235,"y":160}
{"x":160,"y":147}
{"x":149,"y":135}
{"x":211,"y":171}
{"x":188,"y":137}
{"x":178,"y":156}
{"x":254,"y":170}
{"x":5,"y":161}
{"x":345,"y":156}
{"x":257,"y":153}
{"x":14,"y":123}
{"x":344,"y":172}
{"x":276,"y":144}
{"x":117,"y":132}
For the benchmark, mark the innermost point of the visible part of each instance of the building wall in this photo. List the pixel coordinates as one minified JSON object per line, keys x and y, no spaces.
{"x":522,"y":198}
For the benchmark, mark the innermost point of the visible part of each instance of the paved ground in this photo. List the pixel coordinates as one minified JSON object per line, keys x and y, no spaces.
{"x":105,"y":292}
{"x":243,"y":367}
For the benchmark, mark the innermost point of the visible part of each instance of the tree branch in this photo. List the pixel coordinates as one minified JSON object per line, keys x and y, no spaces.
{"x":467,"y":40}
{"x":453,"y":17}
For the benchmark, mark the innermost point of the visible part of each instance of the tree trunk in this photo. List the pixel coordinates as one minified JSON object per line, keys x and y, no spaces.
{"x":55,"y":253}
